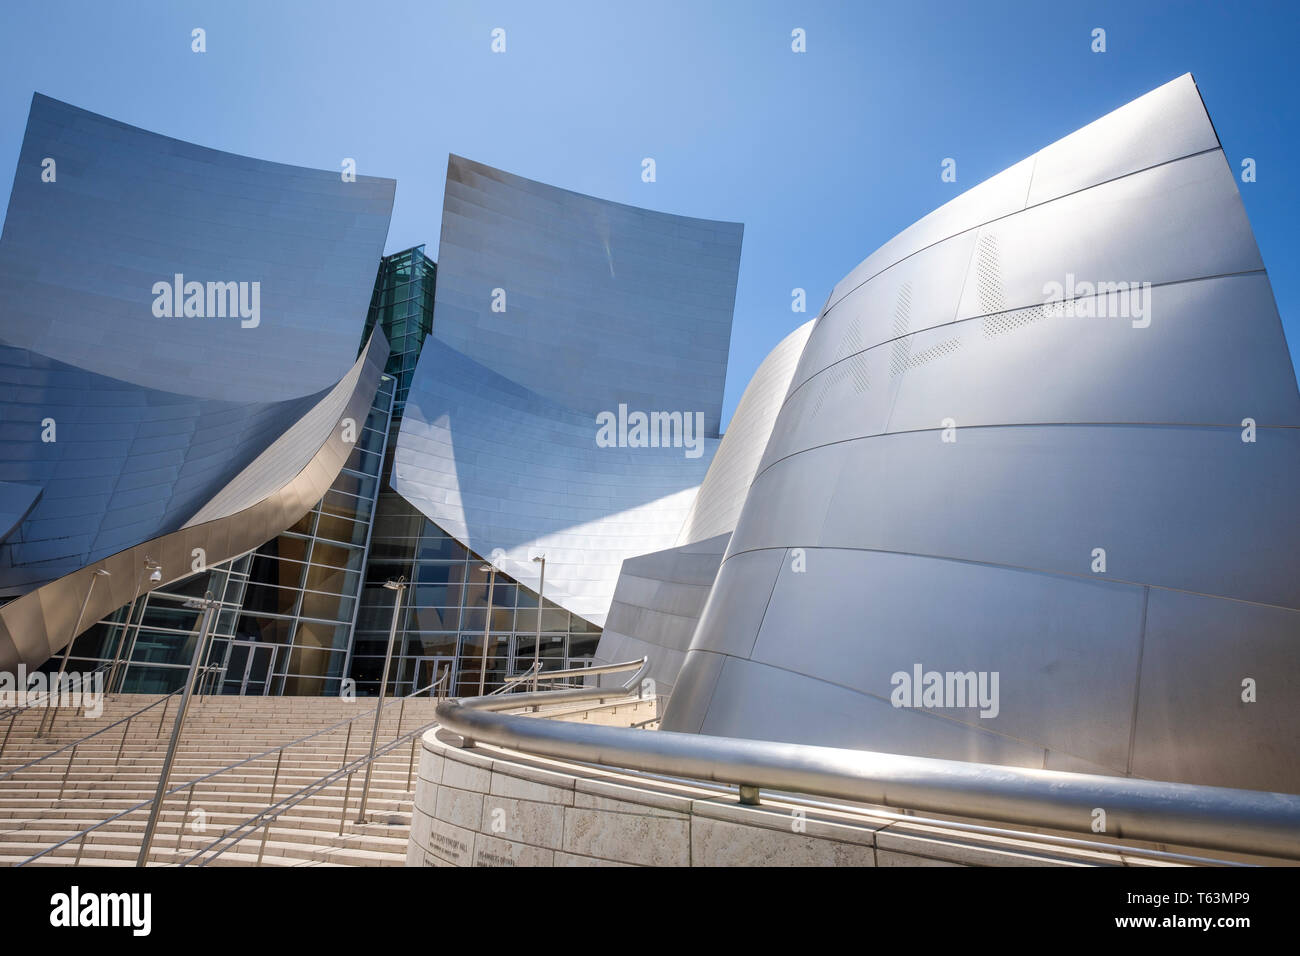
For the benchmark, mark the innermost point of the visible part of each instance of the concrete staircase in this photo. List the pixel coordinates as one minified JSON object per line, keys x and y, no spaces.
{"x":218,"y":732}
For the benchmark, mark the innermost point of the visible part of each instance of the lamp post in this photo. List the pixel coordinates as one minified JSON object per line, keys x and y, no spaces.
{"x":209,"y":606}
{"x":537,"y":645}
{"x":155,"y":576}
{"x":399,"y":585}
{"x":67,"y":651}
{"x":482,"y":671}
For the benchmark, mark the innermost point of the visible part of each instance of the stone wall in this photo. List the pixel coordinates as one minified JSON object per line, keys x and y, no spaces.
{"x":487,"y":807}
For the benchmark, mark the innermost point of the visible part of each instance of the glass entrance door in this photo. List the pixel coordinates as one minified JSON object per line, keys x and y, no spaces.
{"x":249,"y":666}
{"x":430,"y":669}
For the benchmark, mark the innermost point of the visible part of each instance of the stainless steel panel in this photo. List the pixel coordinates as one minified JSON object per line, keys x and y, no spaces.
{"x":1065,"y":649}
{"x":656,"y":606}
{"x":1192,"y":722}
{"x":921,"y":292}
{"x":79,"y":258}
{"x":605,"y":305}
{"x":1181,"y":220}
{"x":767,"y":703}
{"x":722,"y":493}
{"x":1165,"y":124}
{"x":247,"y":513}
{"x":1071,"y":435}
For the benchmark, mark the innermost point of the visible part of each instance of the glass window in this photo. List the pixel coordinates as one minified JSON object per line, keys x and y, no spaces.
{"x":263,"y":628}
{"x":328,"y":606}
{"x":334,"y":580}
{"x":433,"y":618}
{"x":341,"y":529}
{"x":345,"y":506}
{"x":440,"y":547}
{"x":355,"y":485}
{"x":267,"y":569}
{"x":337,"y":555}
{"x":583,"y":646}
{"x":503,"y":619}
{"x":267,"y":599}
{"x":314,"y":634}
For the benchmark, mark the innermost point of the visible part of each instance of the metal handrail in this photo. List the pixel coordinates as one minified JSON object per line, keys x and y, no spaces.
{"x":81,"y":740}
{"x":596,"y":670}
{"x":265,"y":818}
{"x":179,"y":788}
{"x":1243,"y":821}
{"x":512,"y":682}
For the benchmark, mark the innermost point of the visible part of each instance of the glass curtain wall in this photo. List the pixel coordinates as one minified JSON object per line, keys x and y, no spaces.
{"x":287,"y":609}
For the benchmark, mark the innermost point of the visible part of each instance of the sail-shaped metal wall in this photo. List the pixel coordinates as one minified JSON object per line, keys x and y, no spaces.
{"x":985,"y":467}
{"x":130,"y":426}
{"x":552,"y":308}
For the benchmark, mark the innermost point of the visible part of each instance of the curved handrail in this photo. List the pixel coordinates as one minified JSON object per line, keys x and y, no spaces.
{"x":180,"y":788}
{"x":1243,"y":821}
{"x":513,"y":682}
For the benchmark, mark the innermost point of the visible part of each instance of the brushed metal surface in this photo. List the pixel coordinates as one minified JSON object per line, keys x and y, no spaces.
{"x":151,"y":434}
{"x":975,"y":549}
{"x":601,"y":305}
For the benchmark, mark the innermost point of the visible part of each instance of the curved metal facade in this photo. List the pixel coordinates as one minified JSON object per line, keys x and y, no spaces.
{"x":123,"y":427}
{"x":551,"y":308}
{"x":129,"y":208}
{"x":969,"y":429}
{"x":716,"y":507}
{"x":659,"y":597}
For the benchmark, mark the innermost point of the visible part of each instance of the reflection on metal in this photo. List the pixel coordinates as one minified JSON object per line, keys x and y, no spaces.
{"x":716,"y":508}
{"x":554,"y":307}
{"x":133,"y":416}
{"x":1241,"y":821}
{"x":659,"y":597}
{"x":983,"y":466}
{"x":273,"y":492}
{"x":657,"y":606}
{"x":130,"y":208}
{"x":16,"y":502}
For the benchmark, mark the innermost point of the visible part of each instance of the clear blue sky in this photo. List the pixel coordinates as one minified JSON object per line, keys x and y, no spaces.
{"x":823,"y":156}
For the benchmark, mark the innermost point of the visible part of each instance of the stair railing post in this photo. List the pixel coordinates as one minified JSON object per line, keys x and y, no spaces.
{"x":266,"y":824}
{"x":67,"y":770}
{"x":185,"y":815}
{"x":209,"y":611}
{"x":67,"y":651}
{"x":398,"y":585}
{"x":125,"y":731}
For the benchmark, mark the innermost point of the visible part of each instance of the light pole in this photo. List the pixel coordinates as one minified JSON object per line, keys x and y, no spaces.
{"x":155,"y":576}
{"x":399,"y":585}
{"x":482,"y":672}
{"x":67,"y":651}
{"x":537,"y":645}
{"x":209,"y":612}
